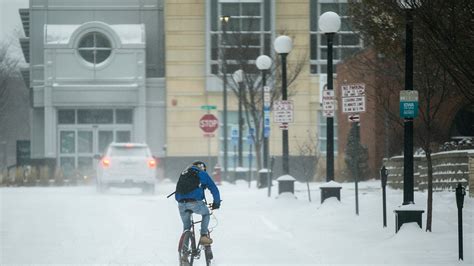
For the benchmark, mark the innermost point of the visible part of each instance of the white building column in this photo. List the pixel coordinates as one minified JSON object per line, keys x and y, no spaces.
{"x":49,"y":125}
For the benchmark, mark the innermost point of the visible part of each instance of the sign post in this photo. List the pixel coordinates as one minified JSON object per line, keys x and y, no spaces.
{"x":408,"y":103}
{"x":353,"y":103}
{"x":329,"y":103}
{"x":283,"y":113}
{"x":208,"y":124}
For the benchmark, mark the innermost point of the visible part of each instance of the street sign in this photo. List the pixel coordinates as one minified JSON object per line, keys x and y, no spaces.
{"x":329,"y":113}
{"x":234,"y":135}
{"x":353,"y":118}
{"x":283,"y":112}
{"x":250,"y":136}
{"x":353,"y":90}
{"x":353,"y":104}
{"x":208,"y":107}
{"x":408,"y":103}
{"x":283,"y":126}
{"x":208,"y":123}
{"x":353,"y":98}
{"x":329,"y":100}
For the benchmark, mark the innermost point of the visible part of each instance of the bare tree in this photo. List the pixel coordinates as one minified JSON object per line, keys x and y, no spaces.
{"x":240,"y":53}
{"x":442,"y":27}
{"x":309,"y":158}
{"x":382,"y":24}
{"x":8,"y":70}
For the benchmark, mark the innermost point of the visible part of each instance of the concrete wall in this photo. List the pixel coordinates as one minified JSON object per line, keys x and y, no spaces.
{"x":449,"y":169}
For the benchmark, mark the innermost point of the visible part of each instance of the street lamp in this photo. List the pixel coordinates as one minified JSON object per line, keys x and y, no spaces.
{"x":408,"y":213}
{"x":264,"y":63}
{"x":283,"y":45}
{"x":329,"y":23}
{"x":224,"y":21}
{"x":408,"y":197}
{"x":239,"y":79}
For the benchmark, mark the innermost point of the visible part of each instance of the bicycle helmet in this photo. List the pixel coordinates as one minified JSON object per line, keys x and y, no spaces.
{"x":201,"y":165}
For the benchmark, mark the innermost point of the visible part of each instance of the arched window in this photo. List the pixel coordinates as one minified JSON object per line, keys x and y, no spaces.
{"x":94,"y":47}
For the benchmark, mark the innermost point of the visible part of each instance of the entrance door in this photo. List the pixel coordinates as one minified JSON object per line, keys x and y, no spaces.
{"x":78,"y":145}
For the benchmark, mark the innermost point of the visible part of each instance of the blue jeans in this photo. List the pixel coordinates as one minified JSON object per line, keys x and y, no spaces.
{"x":198,"y":207}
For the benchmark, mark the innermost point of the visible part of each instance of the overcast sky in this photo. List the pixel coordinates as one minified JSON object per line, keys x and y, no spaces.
{"x":9,"y":16}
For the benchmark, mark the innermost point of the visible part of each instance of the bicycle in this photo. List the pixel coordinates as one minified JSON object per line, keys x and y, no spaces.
{"x":187,"y":249}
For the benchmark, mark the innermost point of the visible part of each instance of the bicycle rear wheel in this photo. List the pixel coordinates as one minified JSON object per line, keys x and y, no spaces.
{"x":187,"y":244}
{"x":208,"y":255}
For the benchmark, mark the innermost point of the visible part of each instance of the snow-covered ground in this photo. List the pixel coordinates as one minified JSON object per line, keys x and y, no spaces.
{"x":76,"y":225}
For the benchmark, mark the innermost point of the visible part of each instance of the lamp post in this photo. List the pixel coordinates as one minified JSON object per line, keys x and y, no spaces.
{"x":283,"y":45}
{"x":329,"y":23}
{"x":224,"y":21}
{"x":408,"y":212}
{"x":239,"y":79}
{"x":408,"y":197}
{"x":264,"y":63}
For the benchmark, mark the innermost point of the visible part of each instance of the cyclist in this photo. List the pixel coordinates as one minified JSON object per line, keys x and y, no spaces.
{"x":190,"y":196}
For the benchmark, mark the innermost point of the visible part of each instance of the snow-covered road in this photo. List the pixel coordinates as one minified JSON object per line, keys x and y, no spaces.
{"x":64,"y":225}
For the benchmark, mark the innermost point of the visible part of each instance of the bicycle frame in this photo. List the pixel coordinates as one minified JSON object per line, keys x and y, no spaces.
{"x":189,"y":236}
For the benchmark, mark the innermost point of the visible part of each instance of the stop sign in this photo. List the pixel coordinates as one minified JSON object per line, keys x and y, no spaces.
{"x":208,"y":123}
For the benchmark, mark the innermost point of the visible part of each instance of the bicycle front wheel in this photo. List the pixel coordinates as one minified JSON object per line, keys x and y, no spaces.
{"x":208,"y":255}
{"x":187,"y":244}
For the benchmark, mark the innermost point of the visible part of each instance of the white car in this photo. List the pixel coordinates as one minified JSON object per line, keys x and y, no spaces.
{"x":127,"y":165}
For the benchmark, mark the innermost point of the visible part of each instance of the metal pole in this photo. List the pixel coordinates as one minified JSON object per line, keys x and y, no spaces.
{"x":285,"y":149}
{"x":250,"y":164}
{"x":265,"y":139}
{"x":461,"y":257}
{"x":271,"y":177}
{"x":224,"y":96}
{"x":383,"y":179}
{"x":384,"y":202}
{"x":241,"y":123}
{"x":408,"y":197}
{"x":357,"y":125}
{"x":329,"y":120}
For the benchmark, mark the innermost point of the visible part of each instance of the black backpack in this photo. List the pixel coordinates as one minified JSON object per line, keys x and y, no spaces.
{"x":188,"y":181}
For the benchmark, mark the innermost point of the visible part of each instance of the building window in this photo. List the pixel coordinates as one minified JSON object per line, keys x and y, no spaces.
{"x":124,"y":116}
{"x":247,"y":34}
{"x":95,"y":116}
{"x":94,"y":47}
{"x":322,"y":137}
{"x":346,"y":42}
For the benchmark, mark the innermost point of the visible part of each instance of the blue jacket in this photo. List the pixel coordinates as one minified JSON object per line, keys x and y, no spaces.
{"x":198,"y":194}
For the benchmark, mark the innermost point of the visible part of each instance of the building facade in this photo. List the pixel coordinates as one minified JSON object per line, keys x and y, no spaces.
{"x":141,"y":70}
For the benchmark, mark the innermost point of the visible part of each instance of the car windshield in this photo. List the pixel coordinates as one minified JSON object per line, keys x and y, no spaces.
{"x":128,"y":151}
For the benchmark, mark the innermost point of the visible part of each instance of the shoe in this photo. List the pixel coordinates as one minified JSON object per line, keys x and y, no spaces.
{"x":205,"y":240}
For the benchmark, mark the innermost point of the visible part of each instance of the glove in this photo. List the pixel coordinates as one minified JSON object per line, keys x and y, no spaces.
{"x":215,"y":206}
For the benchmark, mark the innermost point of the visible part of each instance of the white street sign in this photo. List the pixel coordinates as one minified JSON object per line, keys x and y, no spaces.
{"x":353,"y":105}
{"x":352,"y":90}
{"x":329,"y":101}
{"x":283,"y":126}
{"x":408,"y":96}
{"x":283,"y":112}
{"x":353,"y":118}
{"x":328,"y":113}
{"x":353,"y":98}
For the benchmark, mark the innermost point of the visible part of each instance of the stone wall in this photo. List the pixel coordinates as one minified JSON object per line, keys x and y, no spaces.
{"x":449,"y":169}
